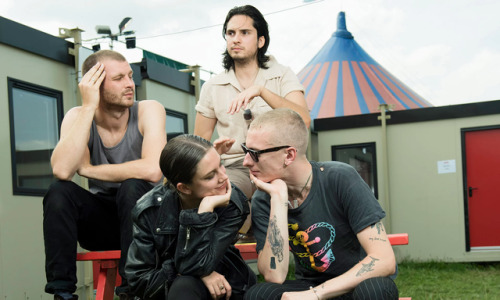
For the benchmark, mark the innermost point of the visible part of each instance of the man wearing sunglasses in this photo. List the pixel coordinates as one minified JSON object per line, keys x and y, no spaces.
{"x":322,"y":211}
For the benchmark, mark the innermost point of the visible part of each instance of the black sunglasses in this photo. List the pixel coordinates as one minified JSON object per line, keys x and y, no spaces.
{"x":254,"y":154}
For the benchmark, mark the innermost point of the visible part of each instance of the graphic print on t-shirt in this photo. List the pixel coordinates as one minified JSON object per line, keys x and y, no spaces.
{"x":318,"y":236}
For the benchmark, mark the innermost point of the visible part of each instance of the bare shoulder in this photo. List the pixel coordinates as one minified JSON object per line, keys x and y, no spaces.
{"x":151,"y":114}
{"x":150,"y":109}
{"x":146,"y":105}
{"x":71,"y":114}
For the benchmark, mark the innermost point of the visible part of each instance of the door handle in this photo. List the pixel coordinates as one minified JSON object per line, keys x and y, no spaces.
{"x":470,"y":190}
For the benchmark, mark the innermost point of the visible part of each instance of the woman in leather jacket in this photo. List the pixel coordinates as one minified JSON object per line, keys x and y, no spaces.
{"x":184,"y":230}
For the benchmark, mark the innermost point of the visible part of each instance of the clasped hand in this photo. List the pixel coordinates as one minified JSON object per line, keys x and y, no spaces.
{"x":217,"y":285}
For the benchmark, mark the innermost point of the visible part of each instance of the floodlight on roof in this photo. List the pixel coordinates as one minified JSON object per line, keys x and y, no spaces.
{"x":124,"y":23}
{"x":103,"y":29}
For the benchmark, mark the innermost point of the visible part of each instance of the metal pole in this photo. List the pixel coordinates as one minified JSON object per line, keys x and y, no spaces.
{"x":387,"y":204}
{"x":196,"y":82}
{"x":76,"y":34}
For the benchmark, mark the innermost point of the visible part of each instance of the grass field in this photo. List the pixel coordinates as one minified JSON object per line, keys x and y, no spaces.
{"x":438,"y":280}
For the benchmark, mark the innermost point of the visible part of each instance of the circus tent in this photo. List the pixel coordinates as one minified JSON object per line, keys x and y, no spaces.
{"x":342,"y":79}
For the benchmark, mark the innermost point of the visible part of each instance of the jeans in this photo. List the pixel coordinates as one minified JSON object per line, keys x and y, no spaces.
{"x":72,"y":214}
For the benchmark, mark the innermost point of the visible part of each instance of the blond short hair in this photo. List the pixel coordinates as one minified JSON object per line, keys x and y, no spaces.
{"x":98,"y":56}
{"x":286,"y":127}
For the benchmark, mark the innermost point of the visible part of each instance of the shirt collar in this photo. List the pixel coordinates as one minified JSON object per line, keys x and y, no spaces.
{"x":229,"y":77}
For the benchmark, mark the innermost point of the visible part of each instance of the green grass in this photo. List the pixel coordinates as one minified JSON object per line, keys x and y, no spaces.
{"x":439,"y":280}
{"x":445,"y":281}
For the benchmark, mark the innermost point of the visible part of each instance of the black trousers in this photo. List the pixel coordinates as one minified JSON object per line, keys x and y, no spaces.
{"x":378,"y":288}
{"x":191,"y":288}
{"x":72,"y":214}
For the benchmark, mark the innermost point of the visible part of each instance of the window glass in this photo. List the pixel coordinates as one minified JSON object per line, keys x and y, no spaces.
{"x":176,"y":123}
{"x":362,"y":158}
{"x":35,"y":118}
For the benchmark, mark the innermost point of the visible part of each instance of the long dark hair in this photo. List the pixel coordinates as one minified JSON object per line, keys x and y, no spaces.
{"x":180,"y":157}
{"x":262,"y":30}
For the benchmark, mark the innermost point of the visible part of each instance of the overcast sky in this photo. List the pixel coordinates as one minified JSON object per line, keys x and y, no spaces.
{"x":448,"y":51}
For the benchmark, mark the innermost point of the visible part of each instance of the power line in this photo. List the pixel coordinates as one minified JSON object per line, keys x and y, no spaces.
{"x":216,"y":25}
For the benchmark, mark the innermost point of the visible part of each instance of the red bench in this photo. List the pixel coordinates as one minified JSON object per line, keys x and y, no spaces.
{"x":105,"y":269}
{"x":248,"y":251}
{"x":105,"y":265}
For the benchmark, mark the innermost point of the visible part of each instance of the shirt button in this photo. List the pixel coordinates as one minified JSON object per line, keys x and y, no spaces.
{"x":159,"y":199}
{"x":157,"y":229}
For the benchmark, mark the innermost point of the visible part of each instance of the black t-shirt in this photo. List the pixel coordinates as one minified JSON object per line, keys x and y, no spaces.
{"x":322,"y":231}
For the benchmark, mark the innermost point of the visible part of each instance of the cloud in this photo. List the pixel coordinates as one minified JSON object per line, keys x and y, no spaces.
{"x":475,"y":80}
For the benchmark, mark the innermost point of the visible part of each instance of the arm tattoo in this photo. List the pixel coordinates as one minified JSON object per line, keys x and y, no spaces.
{"x":380,"y":228}
{"x":367,"y":267}
{"x":275,"y":239}
{"x":273,"y":263}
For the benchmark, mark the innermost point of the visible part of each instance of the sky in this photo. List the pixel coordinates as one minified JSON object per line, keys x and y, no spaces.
{"x":447,"y":51}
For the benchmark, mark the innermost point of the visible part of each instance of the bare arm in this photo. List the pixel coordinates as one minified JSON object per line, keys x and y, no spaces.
{"x":152,"y":126}
{"x":204,"y":126}
{"x":273,"y":259}
{"x":294,"y":100}
{"x":379,"y":262}
{"x":72,"y":147}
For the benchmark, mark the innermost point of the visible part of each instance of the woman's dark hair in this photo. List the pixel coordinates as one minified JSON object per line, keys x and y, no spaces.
{"x":180,"y":157}
{"x":262,"y":30}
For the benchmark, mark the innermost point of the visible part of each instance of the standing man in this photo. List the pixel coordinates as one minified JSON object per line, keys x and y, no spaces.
{"x":323,"y":211}
{"x":251,"y":84}
{"x":116,"y":143}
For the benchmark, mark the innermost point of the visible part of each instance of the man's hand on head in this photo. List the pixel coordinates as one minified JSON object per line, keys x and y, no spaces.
{"x":90,"y":86}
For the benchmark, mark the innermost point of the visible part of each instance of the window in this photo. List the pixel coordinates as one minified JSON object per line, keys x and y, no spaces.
{"x":362,"y":157}
{"x":176,"y":123}
{"x":35,"y":114}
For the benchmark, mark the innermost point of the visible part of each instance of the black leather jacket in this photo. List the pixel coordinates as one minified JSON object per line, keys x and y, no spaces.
{"x":167,"y":243}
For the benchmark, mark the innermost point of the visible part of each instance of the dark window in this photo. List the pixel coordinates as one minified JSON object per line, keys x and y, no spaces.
{"x":363,"y":158}
{"x":35,"y":115}
{"x":176,"y":123}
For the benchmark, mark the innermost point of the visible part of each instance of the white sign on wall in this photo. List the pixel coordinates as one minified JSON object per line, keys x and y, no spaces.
{"x":446,"y":166}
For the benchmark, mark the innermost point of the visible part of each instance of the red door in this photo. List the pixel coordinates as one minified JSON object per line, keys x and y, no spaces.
{"x":482,"y":184}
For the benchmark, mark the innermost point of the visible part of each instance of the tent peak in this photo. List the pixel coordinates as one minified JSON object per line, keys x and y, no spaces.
{"x":342,"y":28}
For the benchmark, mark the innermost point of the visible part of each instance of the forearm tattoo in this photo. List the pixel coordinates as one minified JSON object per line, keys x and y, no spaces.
{"x":367,"y":267}
{"x":275,"y":240}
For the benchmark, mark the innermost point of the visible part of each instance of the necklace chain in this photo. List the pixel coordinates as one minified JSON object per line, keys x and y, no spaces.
{"x":295,"y":201}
